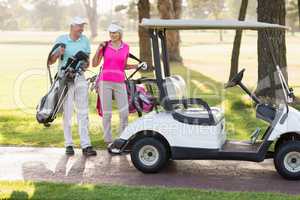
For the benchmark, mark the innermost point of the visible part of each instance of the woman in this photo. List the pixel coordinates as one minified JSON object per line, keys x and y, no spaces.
{"x":111,"y":80}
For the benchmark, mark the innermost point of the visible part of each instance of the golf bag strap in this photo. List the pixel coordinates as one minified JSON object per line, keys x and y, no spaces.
{"x":49,"y":56}
{"x":103,"y":51}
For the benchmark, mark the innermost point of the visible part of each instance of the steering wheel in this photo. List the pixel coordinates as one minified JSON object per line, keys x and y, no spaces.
{"x":236,"y":79}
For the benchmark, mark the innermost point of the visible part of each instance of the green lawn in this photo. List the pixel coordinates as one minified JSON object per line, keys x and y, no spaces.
{"x":41,"y":190}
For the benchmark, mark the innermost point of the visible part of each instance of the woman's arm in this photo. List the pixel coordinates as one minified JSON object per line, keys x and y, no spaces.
{"x":96,"y":59}
{"x":130,"y":66}
{"x":98,"y":55}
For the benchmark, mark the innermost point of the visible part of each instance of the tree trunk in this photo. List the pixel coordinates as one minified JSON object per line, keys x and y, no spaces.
{"x":171,"y":9}
{"x":271,"y":11}
{"x":91,"y":12}
{"x":299,"y":11}
{"x":144,"y":39}
{"x":237,"y":42}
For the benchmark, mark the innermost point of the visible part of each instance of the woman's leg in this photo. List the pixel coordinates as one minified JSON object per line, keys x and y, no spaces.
{"x":122,"y":101}
{"x":105,"y":93}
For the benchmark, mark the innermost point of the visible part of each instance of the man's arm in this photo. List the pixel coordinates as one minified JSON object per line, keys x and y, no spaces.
{"x":58,"y":52}
{"x":56,"y":55}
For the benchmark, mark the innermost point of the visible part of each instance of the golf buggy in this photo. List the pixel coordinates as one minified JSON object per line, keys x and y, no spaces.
{"x":180,"y":131}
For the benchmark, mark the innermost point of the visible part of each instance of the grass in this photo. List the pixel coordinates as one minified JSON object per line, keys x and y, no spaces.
{"x":21,"y":129}
{"x":42,"y":190}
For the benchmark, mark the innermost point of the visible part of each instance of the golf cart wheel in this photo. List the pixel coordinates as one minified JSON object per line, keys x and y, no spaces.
{"x":149,"y":155}
{"x":47,"y":125}
{"x":287,"y":160}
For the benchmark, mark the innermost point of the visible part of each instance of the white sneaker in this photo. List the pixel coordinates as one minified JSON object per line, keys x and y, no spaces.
{"x":111,"y":149}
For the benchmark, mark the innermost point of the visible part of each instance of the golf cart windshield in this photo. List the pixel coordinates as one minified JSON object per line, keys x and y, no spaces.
{"x":157,"y":29}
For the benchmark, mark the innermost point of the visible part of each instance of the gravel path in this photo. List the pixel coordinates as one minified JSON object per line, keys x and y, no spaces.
{"x":50,"y":164}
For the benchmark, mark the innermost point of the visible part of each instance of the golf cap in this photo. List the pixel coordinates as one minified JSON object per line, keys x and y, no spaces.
{"x":115,"y":28}
{"x":78,"y":20}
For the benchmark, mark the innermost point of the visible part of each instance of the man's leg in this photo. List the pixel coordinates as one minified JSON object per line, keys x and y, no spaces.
{"x":82,"y":106}
{"x":105,"y":94}
{"x":67,"y":115}
{"x":122,"y":101}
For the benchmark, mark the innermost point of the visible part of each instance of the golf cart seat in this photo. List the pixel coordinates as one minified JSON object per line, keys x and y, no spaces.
{"x":182,"y":110}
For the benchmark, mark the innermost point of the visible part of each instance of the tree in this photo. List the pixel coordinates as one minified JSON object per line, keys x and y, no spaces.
{"x":136,"y":11}
{"x":4,"y":15}
{"x":237,"y":42}
{"x":48,"y":14}
{"x":271,"y":11}
{"x":132,"y":11}
{"x":234,"y":7}
{"x":299,"y":10}
{"x":292,"y":15}
{"x":216,"y":7}
{"x":198,"y":9}
{"x":171,"y":9}
{"x":208,"y":9}
{"x":91,"y":12}
{"x":12,"y":15}
{"x":144,"y":39}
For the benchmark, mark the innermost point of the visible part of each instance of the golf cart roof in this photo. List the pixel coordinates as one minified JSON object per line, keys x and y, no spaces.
{"x":190,"y":24}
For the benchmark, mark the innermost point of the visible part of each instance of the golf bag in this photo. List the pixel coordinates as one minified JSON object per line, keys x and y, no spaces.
{"x":139,"y":99}
{"x":52,"y":102}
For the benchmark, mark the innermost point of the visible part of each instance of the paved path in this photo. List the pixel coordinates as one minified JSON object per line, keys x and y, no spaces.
{"x":50,"y":164}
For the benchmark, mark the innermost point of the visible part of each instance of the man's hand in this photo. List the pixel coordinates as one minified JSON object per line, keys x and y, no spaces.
{"x":61,"y":51}
{"x":84,"y":66}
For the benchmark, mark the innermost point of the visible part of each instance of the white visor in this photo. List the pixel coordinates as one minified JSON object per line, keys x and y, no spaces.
{"x":114,"y":28}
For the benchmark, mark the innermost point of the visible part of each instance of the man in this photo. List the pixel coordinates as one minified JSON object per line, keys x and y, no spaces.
{"x":74,"y":42}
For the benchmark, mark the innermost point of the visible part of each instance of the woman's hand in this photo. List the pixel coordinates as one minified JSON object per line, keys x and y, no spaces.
{"x":143,"y":65}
